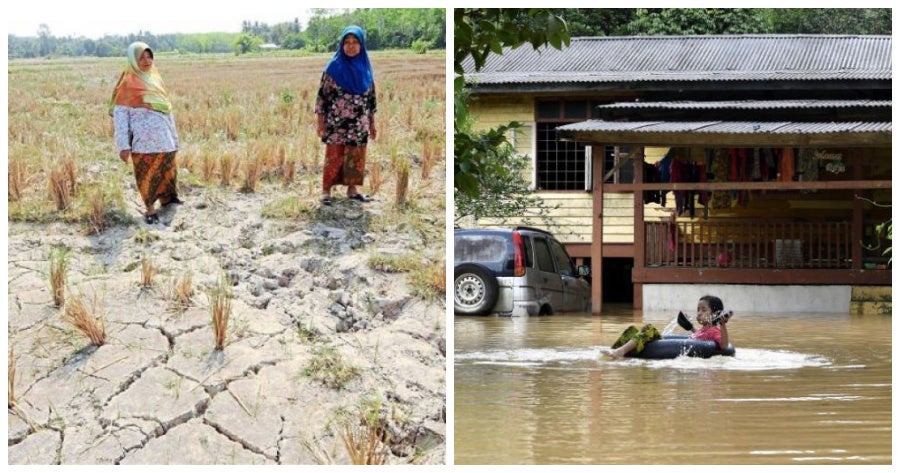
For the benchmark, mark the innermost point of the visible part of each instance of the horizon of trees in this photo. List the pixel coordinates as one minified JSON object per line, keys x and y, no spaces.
{"x":700,"y":21}
{"x":419,"y":29}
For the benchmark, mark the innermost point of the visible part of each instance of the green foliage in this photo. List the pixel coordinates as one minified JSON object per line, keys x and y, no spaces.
{"x":502,"y":195}
{"x":696,"y":21}
{"x":596,"y":21}
{"x":830,"y":20}
{"x":293,"y":41}
{"x":327,"y":366}
{"x":479,"y":32}
{"x":702,"y":21}
{"x":421,"y":46}
{"x":246,"y":43}
{"x":479,"y":157}
{"x":887,"y":229}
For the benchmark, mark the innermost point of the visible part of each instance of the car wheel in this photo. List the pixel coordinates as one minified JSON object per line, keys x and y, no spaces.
{"x":474,"y":290}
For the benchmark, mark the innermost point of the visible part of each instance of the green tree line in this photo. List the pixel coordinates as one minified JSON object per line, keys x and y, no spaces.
{"x":386,"y":28}
{"x":683,"y":21}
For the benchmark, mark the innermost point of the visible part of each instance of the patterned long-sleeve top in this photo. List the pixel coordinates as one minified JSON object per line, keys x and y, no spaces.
{"x":346,"y":115}
{"x":143,"y":130}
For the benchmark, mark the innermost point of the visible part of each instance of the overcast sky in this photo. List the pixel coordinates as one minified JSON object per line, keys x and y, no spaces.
{"x":96,"y":18}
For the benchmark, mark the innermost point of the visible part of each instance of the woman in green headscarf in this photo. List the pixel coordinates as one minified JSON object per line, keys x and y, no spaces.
{"x":145,"y":129}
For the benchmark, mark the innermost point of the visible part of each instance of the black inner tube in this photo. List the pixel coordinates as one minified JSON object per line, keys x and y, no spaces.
{"x":673,"y":346}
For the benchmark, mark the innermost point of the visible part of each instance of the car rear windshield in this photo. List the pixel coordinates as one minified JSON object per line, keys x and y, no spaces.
{"x":480,"y":248}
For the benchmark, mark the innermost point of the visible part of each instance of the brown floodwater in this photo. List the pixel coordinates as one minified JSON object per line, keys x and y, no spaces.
{"x":802,"y":389}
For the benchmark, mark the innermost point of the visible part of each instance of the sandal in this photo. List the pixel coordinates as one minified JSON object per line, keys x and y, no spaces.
{"x":724,"y":316}
{"x":684,"y":322}
{"x":327,"y":200}
{"x":360,"y":197}
{"x":151,"y":218}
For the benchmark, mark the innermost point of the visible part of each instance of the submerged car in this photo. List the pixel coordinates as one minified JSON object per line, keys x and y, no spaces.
{"x":517,"y":271}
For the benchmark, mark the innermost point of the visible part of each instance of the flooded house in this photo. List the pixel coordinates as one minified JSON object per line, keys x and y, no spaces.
{"x":755,"y":167}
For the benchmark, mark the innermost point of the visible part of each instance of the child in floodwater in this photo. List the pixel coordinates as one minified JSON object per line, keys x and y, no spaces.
{"x":711,"y":315}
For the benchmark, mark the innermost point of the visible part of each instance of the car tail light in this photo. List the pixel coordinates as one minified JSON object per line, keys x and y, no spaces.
{"x":518,"y":255}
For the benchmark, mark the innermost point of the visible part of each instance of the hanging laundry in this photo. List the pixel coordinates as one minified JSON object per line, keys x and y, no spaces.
{"x":755,"y":170}
{"x":664,"y":168}
{"x":770,"y":171}
{"x":786,"y":166}
{"x":679,"y":173}
{"x":719,"y":169}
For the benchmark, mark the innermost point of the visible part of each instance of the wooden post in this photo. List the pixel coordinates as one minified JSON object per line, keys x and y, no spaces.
{"x":597,"y":229}
{"x":639,"y":237}
{"x":856,"y":229}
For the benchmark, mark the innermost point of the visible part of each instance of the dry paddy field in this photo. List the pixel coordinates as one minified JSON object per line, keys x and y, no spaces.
{"x":251,"y":325}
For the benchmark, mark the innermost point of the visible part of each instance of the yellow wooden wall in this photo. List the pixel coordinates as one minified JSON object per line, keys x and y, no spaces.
{"x":570,"y":221}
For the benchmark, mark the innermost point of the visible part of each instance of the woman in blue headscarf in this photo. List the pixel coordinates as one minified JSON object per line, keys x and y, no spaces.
{"x":345,"y":114}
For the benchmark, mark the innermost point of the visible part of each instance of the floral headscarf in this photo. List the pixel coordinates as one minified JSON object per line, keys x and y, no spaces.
{"x":353,"y":74}
{"x":137,"y":88}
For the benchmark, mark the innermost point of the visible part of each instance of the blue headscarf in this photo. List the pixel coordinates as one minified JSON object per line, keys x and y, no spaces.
{"x":353,"y":74}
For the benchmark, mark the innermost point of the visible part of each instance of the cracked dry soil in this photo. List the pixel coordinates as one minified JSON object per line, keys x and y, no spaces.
{"x":157,"y":392}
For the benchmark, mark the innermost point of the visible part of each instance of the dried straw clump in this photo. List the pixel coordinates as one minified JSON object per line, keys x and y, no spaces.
{"x":98,"y":211}
{"x":364,"y":445}
{"x":402,"y":183}
{"x":288,"y":172}
{"x":17,"y":179}
{"x":428,"y":158}
{"x":184,"y":290}
{"x":208,"y":166}
{"x":182,"y":293}
{"x":84,"y":319}
{"x":252,"y":171}
{"x":59,"y":261}
{"x":220,"y":310}
{"x":437,"y":277}
{"x":62,"y":183}
{"x":228,"y":165}
{"x":59,"y":189}
{"x":375,"y":178}
{"x":148,"y":271}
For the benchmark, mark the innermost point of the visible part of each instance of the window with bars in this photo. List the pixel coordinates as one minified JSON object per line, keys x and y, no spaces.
{"x":560,"y":165}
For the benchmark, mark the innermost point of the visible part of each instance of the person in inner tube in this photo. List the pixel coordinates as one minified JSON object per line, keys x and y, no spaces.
{"x":711,"y":315}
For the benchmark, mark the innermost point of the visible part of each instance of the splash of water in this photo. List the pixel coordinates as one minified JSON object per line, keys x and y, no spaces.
{"x":746,"y":359}
{"x":670,"y":327}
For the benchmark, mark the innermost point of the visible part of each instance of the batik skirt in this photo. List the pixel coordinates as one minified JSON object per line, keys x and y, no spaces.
{"x":344,"y":165}
{"x":157,"y":176}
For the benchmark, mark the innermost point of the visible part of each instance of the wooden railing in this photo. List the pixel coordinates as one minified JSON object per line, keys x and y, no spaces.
{"x":728,"y":243}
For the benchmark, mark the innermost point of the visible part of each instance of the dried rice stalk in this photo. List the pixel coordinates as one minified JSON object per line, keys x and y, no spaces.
{"x":83,"y":319}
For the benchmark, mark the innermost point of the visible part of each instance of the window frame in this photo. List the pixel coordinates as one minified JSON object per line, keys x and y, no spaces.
{"x":544,"y":124}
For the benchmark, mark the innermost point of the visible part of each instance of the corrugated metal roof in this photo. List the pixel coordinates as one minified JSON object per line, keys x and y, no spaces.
{"x":750,"y":104}
{"x":731,"y":127}
{"x":692,"y":58}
